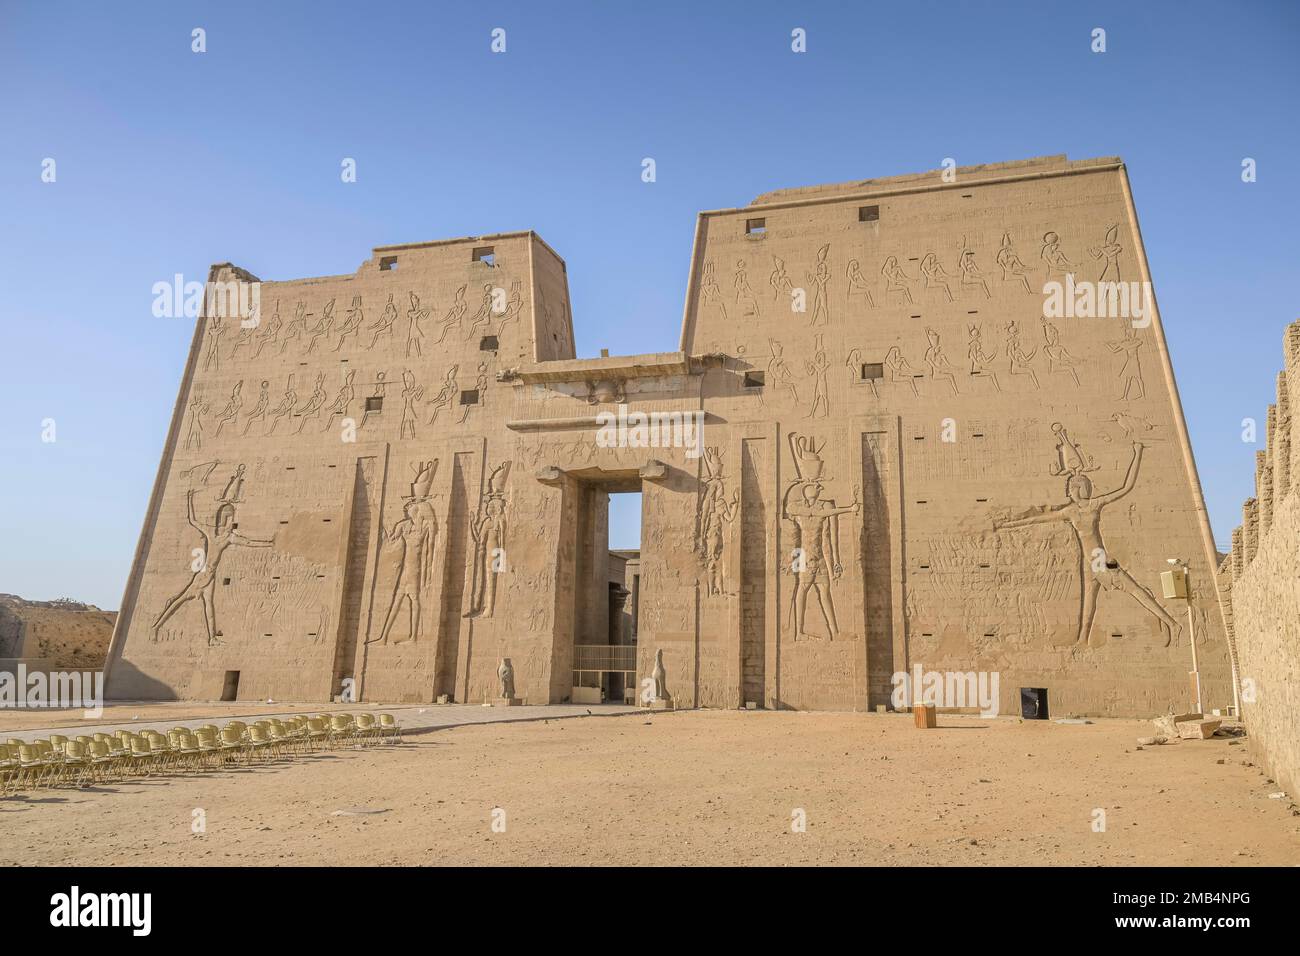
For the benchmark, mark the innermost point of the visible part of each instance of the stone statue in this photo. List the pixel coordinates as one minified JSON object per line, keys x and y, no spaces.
{"x":660,"y":677}
{"x":506,"y":675}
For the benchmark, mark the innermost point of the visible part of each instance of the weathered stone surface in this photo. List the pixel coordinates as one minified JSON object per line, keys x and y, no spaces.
{"x":1198,"y":729}
{"x":401,"y":476}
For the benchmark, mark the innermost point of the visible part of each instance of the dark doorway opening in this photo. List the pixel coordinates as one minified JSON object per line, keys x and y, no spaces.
{"x":231,"y":690}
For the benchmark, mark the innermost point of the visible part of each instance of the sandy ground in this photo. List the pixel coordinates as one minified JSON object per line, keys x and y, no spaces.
{"x":703,"y":787}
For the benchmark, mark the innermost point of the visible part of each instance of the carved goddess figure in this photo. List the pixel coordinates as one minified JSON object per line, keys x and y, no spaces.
{"x":352,"y":324}
{"x":971,"y":276}
{"x":1053,"y":258}
{"x":384,"y":324}
{"x":858,"y":283}
{"x":1017,"y":356}
{"x":286,"y":406}
{"x":1011,"y":265}
{"x":896,"y":280}
{"x":311,"y":408}
{"x":940,"y":367}
{"x":779,"y":280}
{"x":454,"y":315}
{"x":900,"y":370}
{"x":934,"y":274}
{"x":323,"y":328}
{"x":258,"y":414}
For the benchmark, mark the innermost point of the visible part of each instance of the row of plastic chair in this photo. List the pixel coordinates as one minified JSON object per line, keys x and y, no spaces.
{"x":101,"y":757}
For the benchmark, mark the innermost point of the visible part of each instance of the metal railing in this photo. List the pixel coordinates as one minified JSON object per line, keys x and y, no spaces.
{"x":604,"y":657}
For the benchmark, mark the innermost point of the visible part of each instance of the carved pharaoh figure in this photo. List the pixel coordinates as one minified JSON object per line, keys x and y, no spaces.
{"x":202,"y":587}
{"x":1011,"y":264}
{"x":816,"y":556}
{"x":1099,"y":570}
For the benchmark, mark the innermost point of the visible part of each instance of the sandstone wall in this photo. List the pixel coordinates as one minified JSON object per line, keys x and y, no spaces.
{"x":1265,"y":569}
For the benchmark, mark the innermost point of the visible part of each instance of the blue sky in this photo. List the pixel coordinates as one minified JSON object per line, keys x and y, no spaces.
{"x":169,"y":160}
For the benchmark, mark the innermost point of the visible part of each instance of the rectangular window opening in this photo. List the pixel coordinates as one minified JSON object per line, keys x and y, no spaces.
{"x":868,"y":213}
{"x":469,"y":397}
{"x":755,"y":379}
{"x":755,"y":227}
{"x":872,"y":370}
{"x":388,"y":264}
{"x":375,"y":403}
{"x":488,"y":343}
{"x":485,"y":255}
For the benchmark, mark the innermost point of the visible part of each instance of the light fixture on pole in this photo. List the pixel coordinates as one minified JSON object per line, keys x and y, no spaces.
{"x":1175,"y":585}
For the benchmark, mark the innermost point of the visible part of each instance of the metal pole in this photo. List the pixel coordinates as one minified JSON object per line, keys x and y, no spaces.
{"x":1191,"y":630}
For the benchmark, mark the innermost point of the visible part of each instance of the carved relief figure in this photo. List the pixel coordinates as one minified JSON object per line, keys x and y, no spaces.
{"x":286,"y":406}
{"x":489,"y":535}
{"x":296,"y":328}
{"x":212,"y":359}
{"x":981,"y":363}
{"x":1130,"y":373}
{"x":854,"y":363}
{"x":323,"y":328}
{"x":514,"y":308}
{"x":384,"y":324}
{"x":817,"y":368}
{"x":483,"y":317}
{"x":246,"y":332}
{"x":342,"y":401}
{"x":714,"y":513}
{"x":971,"y":276}
{"x":454,"y":315}
{"x":352,"y":324}
{"x":896,"y":280}
{"x":446,"y":395}
{"x":940,"y":367}
{"x":710,"y":292}
{"x":375,"y":402}
{"x":202,"y":587}
{"x":233,"y":405}
{"x":1059,"y":358}
{"x":1019,"y":359}
{"x":411,"y":393}
{"x":935,"y":276}
{"x":819,"y":278}
{"x":411,"y":545}
{"x":258,"y":414}
{"x":1011,"y":265}
{"x":858,"y":285}
{"x":194,"y":435}
{"x":746,"y":301}
{"x":1098,"y":569}
{"x":1053,"y":257}
{"x":900,"y":370}
{"x":778,"y":371}
{"x":311,"y":408}
{"x":817,"y":538}
{"x":779,"y":280}
{"x":1109,"y":250}
{"x":480,"y":386}
{"x":269,"y":334}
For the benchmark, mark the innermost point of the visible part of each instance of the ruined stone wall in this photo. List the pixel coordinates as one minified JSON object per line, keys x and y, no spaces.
{"x":1265,"y":571}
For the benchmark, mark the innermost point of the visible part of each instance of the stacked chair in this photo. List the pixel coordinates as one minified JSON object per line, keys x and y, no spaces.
{"x":59,"y":761}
